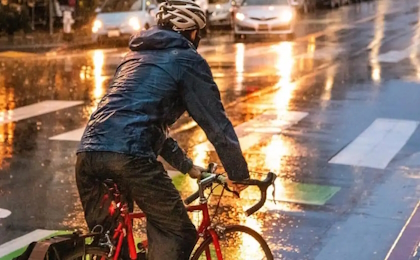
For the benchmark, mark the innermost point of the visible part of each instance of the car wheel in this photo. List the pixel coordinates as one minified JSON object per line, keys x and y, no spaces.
{"x":237,"y":37}
{"x":100,"y":41}
{"x":291,"y":36}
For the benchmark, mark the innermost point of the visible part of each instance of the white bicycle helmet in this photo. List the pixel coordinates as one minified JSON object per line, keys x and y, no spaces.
{"x":181,"y":15}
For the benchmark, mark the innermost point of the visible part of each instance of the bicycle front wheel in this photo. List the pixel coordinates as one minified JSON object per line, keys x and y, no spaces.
{"x":237,"y":242}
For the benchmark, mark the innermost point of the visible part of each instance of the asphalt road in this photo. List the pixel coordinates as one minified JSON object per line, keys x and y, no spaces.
{"x":334,"y":112}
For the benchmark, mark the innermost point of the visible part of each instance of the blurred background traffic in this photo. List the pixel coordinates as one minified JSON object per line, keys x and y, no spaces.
{"x":103,"y":19}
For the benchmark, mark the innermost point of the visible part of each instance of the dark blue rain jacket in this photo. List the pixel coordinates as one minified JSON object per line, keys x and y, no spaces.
{"x":162,"y":77}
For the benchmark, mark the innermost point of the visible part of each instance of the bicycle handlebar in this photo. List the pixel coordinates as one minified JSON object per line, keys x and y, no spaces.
{"x":214,"y":178}
{"x":263,"y":186}
{"x":191,"y":198}
{"x":208,"y":178}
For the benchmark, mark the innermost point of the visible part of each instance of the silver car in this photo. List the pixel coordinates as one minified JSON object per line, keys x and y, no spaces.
{"x":220,"y":13}
{"x":122,"y":18}
{"x":264,"y":17}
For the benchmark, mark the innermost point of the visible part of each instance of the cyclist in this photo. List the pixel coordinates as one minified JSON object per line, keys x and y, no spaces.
{"x":158,"y":80}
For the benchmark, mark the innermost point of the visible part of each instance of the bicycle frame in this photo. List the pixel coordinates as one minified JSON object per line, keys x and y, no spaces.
{"x":204,"y":230}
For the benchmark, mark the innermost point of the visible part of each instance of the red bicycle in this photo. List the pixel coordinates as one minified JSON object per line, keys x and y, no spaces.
{"x":218,"y":241}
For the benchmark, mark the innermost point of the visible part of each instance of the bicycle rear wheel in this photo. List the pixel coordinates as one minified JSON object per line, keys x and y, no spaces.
{"x":90,"y":253}
{"x":237,"y":242}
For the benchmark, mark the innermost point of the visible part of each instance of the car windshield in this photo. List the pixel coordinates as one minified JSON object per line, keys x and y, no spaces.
{"x":111,"y":6}
{"x":265,"y":2}
{"x":218,"y":1}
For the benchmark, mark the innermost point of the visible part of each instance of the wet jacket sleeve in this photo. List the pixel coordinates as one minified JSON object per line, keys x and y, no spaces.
{"x":175,"y":156}
{"x":202,"y":100}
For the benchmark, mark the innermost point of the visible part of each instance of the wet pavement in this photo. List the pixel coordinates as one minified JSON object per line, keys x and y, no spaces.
{"x":334,"y":113}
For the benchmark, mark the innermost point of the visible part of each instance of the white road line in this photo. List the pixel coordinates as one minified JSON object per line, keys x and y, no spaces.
{"x":205,"y":49}
{"x":267,"y":123}
{"x":325,"y":53}
{"x":37,"y":109}
{"x":74,"y":135}
{"x":23,"y":241}
{"x":378,"y":144}
{"x":4,"y":213}
{"x":394,"y":56}
{"x":252,"y":132}
{"x":321,"y":21}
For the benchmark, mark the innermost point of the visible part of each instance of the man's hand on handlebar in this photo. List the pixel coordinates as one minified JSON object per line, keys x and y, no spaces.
{"x":208,"y":177}
{"x":196,"y":171}
{"x":236,"y":187}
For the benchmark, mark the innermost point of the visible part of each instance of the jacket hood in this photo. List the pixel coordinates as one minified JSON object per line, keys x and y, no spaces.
{"x":156,"y":39}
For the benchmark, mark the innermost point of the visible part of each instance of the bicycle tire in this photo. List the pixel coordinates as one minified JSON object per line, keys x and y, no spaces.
{"x":88,"y":250}
{"x":236,"y":229}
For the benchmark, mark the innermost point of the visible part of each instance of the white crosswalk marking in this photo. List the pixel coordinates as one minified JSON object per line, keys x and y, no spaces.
{"x":4,"y":213}
{"x":37,"y":109}
{"x":23,"y":241}
{"x":252,"y":132}
{"x":74,"y":135}
{"x":395,"y":56}
{"x":378,"y":144}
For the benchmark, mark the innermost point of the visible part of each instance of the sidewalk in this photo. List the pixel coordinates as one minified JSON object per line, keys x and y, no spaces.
{"x":40,"y":41}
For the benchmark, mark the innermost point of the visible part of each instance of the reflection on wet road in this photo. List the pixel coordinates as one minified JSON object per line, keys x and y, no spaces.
{"x":334,"y":113}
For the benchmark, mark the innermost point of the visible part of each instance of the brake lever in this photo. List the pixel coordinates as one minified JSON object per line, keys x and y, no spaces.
{"x":233,"y":192}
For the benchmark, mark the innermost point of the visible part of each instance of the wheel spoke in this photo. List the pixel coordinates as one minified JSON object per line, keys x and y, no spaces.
{"x":238,"y":242}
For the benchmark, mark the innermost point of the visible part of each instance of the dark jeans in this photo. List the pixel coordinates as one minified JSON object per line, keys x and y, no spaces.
{"x":171,"y":234}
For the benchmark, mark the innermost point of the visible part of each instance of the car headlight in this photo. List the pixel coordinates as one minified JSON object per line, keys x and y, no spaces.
{"x":286,"y":16}
{"x":96,"y":25}
{"x":134,"y":23}
{"x":240,"y":16}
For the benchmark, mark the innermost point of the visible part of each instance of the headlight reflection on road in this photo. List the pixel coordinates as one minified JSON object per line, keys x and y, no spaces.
{"x":375,"y":45}
{"x":6,"y":130}
{"x":329,"y":83}
{"x":284,"y":67}
{"x":239,"y":64}
{"x":98,"y":61}
{"x":98,"y":90}
{"x":414,"y":49}
{"x":273,"y":152}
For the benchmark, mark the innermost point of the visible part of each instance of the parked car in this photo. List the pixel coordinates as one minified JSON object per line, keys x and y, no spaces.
{"x":264,"y":17}
{"x":122,"y":18}
{"x":220,"y":13}
{"x":335,"y":3}
{"x":305,"y":6}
